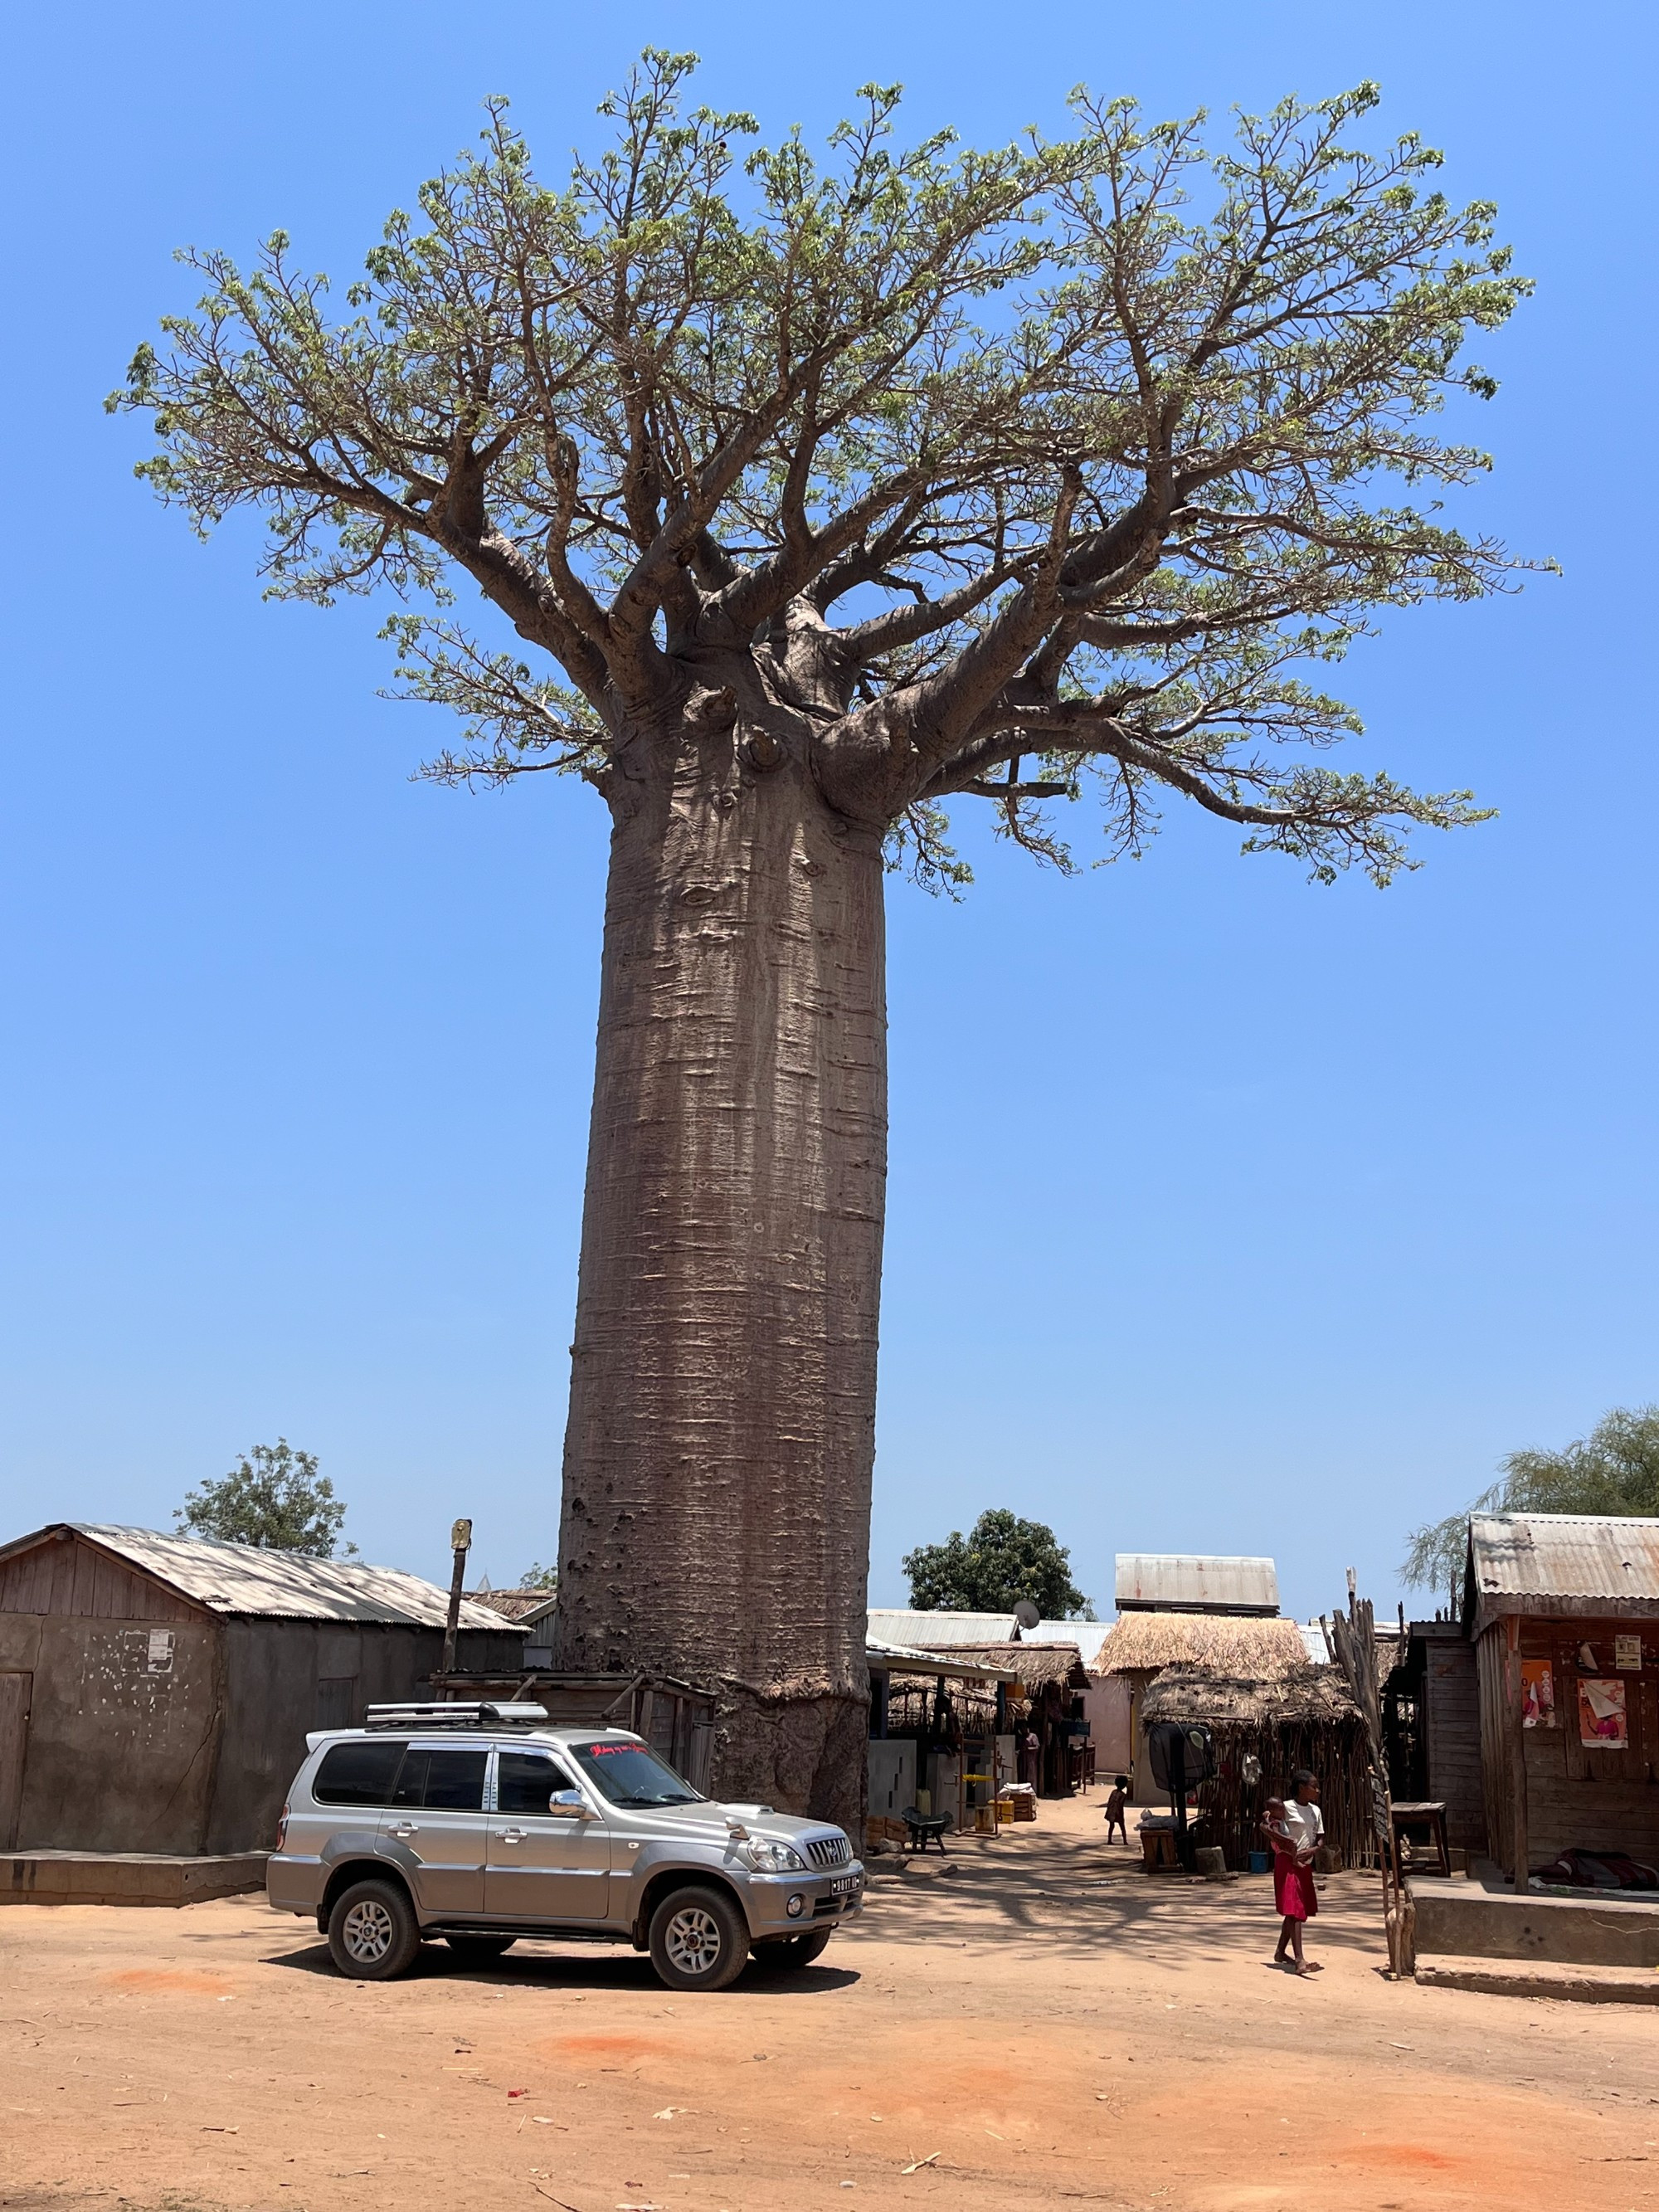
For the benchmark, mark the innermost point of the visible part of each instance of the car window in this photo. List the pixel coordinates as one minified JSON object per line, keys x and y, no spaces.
{"x":442,"y":1780}
{"x":629,"y":1774}
{"x":361,"y":1773}
{"x":525,"y":1780}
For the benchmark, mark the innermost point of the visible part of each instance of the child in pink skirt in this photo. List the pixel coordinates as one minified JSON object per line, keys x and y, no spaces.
{"x":1295,"y":1831}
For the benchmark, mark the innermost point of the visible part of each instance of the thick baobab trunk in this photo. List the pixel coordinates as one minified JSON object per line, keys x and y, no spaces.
{"x":718,"y":1459}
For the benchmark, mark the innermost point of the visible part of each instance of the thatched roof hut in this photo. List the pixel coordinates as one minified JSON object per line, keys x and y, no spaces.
{"x":1304,"y":1716}
{"x":1239,"y":1646}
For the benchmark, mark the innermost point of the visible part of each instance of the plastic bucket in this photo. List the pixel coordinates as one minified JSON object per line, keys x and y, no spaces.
{"x":1260,"y":1861}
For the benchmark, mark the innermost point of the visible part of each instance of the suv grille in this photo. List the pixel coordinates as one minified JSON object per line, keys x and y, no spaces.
{"x":829,"y":1850}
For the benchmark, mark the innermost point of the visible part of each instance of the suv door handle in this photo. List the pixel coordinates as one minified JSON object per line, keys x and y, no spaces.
{"x":404,"y":1828}
{"x":509,"y":1835}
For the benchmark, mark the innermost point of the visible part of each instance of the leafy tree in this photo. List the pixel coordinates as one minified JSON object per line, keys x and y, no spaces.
{"x":274,"y":1499}
{"x":536,"y":1577}
{"x":1001,"y":1560}
{"x":801,"y":501}
{"x":1614,"y":1469}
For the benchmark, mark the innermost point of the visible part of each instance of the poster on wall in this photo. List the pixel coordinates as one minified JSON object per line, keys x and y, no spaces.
{"x":1626,"y":1652}
{"x":1602,"y":1722}
{"x":1537,"y":1694}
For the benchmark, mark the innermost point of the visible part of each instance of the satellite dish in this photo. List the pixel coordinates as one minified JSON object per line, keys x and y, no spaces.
{"x":1026,"y":1613}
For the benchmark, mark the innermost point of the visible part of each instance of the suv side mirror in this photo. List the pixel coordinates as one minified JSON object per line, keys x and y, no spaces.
{"x":570,"y":1803}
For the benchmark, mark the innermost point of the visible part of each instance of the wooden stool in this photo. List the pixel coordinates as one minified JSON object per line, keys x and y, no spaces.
{"x":1429,"y":1814}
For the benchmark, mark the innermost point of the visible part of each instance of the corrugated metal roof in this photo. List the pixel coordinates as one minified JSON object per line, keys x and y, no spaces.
{"x":936,"y":1631}
{"x":1088,"y":1636}
{"x":902,"y":1659}
{"x":1171,"y":1581}
{"x":1563,"y":1562}
{"x":943,"y":1632}
{"x":237,"y":1579}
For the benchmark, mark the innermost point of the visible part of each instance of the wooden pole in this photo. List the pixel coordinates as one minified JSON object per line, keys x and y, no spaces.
{"x":460,"y":1543}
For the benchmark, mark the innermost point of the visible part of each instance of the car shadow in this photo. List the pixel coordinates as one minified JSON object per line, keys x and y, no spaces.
{"x":597,"y":1970}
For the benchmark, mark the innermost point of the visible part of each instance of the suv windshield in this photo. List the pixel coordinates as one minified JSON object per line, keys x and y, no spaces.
{"x":629,"y":1774}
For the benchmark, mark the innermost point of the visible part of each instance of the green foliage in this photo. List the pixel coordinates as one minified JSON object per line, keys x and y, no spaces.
{"x":1114,"y":443}
{"x":536,"y":1577}
{"x":274,"y":1499}
{"x":1001,"y":1560}
{"x":1614,"y":1469}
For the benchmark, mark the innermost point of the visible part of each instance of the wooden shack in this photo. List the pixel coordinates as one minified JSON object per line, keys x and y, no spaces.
{"x":156,"y":1691}
{"x":1046,"y":1701}
{"x":1563,"y":1611}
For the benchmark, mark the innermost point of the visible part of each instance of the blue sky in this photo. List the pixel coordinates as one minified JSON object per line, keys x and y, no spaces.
{"x":1226,"y":1213}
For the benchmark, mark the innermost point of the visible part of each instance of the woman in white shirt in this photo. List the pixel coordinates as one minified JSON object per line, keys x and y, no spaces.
{"x":1296,"y":1830}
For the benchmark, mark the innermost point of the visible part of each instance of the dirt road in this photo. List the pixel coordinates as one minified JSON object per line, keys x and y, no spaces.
{"x":1028,"y":2023}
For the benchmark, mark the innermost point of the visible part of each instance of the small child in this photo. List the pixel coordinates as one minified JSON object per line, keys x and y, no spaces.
{"x":1278,"y":1824}
{"x":1115,"y":1808}
{"x":1295,"y":1831}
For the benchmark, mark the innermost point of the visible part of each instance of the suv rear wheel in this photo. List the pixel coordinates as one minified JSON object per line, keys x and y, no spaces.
{"x":699,"y":1940}
{"x":373,"y":1934}
{"x":789,"y":1953}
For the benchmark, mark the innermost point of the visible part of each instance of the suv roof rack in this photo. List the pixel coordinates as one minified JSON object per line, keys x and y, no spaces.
{"x":509,"y":1715}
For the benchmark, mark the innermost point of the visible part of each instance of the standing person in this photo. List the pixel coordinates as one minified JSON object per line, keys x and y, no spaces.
{"x":1030,"y":1761}
{"x":1296,"y":1831}
{"x":1115,"y":1808}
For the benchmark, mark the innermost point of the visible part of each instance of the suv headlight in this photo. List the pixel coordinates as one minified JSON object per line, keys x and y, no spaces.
{"x":766,"y":1855}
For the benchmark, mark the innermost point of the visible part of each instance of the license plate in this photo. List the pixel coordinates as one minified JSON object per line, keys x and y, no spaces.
{"x":844,"y":1884}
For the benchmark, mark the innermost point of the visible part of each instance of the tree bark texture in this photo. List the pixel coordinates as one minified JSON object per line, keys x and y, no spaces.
{"x":720,"y":1441}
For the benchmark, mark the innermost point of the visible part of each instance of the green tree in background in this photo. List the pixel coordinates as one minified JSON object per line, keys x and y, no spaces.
{"x":1614,"y":1469}
{"x":536,"y":1577}
{"x":274,"y":1500}
{"x":1001,"y":1560}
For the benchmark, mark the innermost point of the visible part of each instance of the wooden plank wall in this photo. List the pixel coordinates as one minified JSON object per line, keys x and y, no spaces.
{"x":72,"y":1579}
{"x":1451,"y":1700}
{"x":1496,"y":1768}
{"x":1577,"y":1795}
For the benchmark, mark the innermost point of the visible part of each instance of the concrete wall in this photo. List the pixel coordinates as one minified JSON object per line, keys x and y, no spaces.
{"x":892,"y":1776}
{"x":1106,"y":1702}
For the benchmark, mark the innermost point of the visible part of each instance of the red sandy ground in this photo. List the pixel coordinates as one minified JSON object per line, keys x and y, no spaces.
{"x":1047,"y":2023}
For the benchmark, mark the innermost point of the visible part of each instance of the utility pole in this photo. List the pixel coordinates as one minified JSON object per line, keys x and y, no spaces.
{"x":460,"y":1543}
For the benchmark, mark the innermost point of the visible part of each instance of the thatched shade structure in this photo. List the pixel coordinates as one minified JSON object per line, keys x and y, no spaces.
{"x":1302,"y":1717}
{"x":1241,"y":1647}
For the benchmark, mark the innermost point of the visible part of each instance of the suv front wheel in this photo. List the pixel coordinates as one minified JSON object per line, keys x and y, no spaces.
{"x":373,"y":1934}
{"x":699,"y":1940}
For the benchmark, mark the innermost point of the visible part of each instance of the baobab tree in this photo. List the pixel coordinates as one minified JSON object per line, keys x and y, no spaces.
{"x":822,"y":495}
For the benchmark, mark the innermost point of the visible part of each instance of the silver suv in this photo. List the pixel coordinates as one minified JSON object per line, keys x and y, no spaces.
{"x":483,"y":1823}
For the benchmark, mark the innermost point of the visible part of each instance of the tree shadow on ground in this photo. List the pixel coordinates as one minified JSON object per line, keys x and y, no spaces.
{"x":1071,"y":1895}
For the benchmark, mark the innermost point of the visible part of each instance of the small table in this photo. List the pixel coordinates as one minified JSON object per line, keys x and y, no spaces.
{"x":1430,"y":1814}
